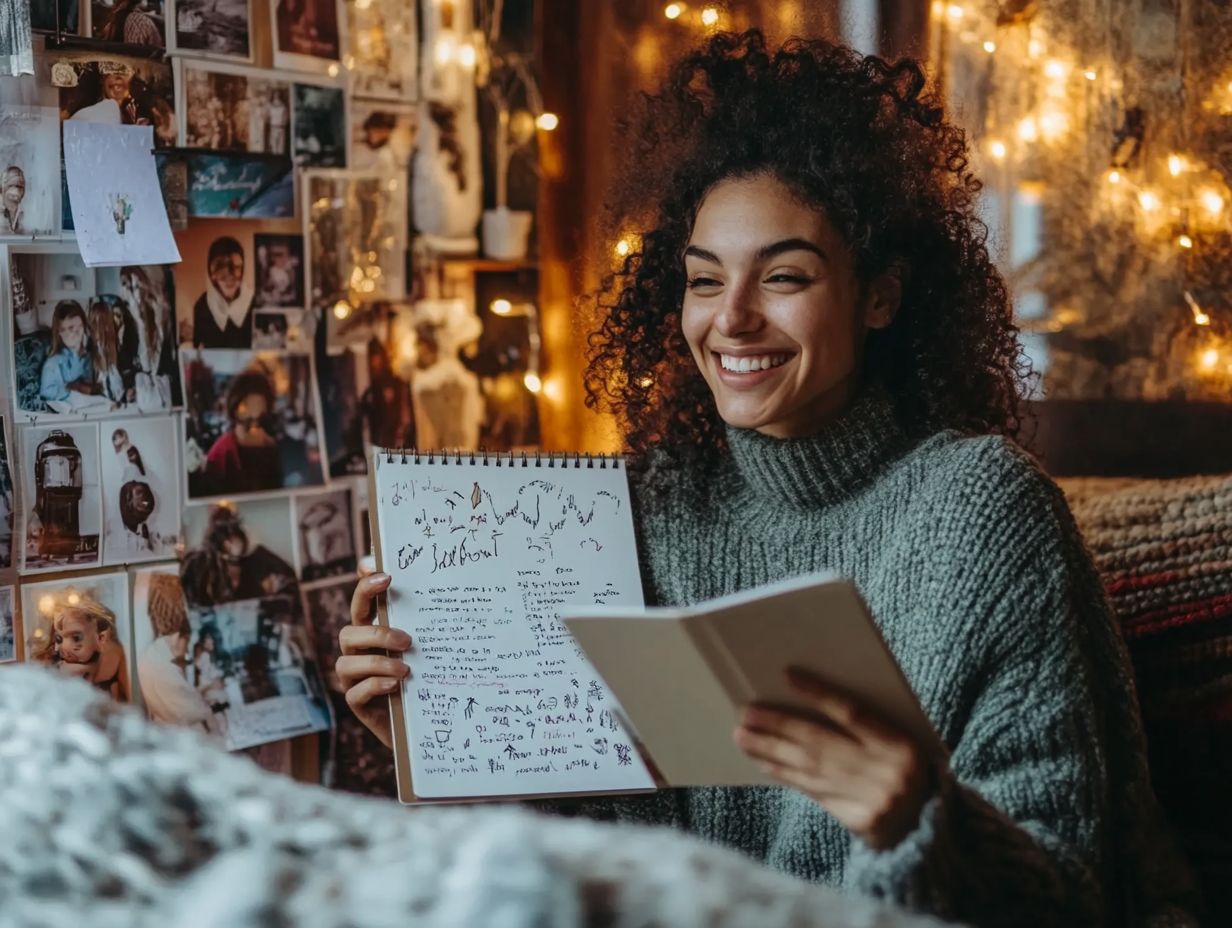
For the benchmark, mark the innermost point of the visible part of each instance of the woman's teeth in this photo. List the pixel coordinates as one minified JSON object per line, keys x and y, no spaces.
{"x":747,"y":363}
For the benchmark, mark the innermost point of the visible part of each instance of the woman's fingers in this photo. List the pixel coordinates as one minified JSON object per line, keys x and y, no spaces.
{"x":361,"y":694}
{"x":355,"y":639}
{"x":353,"y":668}
{"x":363,"y":602}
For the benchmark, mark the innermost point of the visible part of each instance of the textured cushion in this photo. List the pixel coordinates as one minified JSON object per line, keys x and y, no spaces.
{"x":1164,"y":549}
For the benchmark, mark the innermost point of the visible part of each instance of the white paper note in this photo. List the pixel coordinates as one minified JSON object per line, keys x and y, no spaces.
{"x":118,"y":208}
{"x":500,"y":700}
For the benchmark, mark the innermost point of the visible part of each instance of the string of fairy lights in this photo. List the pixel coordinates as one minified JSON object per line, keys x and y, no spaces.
{"x":1172,"y":199}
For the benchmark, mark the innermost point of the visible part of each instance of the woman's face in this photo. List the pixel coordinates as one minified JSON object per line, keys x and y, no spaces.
{"x":13,"y":195}
{"x":115,"y":87}
{"x":773,"y":312}
{"x":72,"y":332}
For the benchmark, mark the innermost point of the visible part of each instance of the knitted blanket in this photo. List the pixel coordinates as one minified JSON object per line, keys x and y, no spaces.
{"x":108,"y":820}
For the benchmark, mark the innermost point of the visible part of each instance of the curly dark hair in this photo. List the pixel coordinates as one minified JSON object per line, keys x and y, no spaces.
{"x":857,"y":137}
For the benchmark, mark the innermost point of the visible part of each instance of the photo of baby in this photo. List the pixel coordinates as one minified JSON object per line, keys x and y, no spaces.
{"x":78,"y":627}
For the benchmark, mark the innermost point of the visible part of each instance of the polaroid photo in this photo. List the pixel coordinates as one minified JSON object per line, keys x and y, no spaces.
{"x":173,"y":179}
{"x":230,"y":108}
{"x":118,"y":210}
{"x":355,"y":233}
{"x":90,"y":343}
{"x":280,"y":271}
{"x":382,"y":136}
{"x":307,"y":35}
{"x":320,"y":125}
{"x":383,"y":39}
{"x":8,"y":498}
{"x":129,"y":22}
{"x":117,"y":89}
{"x":324,"y":534}
{"x":141,"y":499}
{"x":446,"y":395}
{"x":252,"y":423}
{"x":214,"y":28}
{"x":281,"y":330}
{"x":215,"y":284}
{"x":231,"y":185}
{"x":254,"y":665}
{"x":8,"y":626}
{"x":63,"y":16}
{"x":166,"y":683}
{"x":343,"y":381}
{"x":62,"y":501}
{"x":29,"y":171}
{"x":80,"y":627}
{"x":241,"y":549}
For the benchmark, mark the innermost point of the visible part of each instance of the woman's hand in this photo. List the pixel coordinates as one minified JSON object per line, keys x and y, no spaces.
{"x":365,"y":672}
{"x":869,"y":775}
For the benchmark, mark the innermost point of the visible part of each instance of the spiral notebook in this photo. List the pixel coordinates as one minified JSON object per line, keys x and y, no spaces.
{"x":485,"y":553}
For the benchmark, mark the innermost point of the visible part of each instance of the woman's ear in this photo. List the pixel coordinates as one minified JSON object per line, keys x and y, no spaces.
{"x":885,"y":295}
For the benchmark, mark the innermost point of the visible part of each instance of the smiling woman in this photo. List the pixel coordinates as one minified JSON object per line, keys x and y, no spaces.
{"x":816,"y":368}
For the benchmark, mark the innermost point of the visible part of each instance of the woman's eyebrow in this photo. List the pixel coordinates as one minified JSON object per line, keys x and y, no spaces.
{"x":762,"y":253}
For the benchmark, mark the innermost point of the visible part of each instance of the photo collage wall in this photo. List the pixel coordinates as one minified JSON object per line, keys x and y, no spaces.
{"x":183,"y":445}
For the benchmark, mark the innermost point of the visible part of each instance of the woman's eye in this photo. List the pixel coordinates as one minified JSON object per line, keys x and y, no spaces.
{"x":696,"y":282}
{"x":787,"y":279}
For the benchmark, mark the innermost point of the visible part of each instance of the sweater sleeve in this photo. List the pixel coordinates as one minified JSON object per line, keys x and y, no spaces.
{"x":1017,"y":831}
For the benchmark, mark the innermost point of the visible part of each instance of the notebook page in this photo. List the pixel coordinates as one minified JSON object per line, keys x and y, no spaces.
{"x":483,"y":558}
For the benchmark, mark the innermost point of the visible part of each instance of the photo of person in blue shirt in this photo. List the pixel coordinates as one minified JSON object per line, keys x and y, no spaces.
{"x":68,"y":383}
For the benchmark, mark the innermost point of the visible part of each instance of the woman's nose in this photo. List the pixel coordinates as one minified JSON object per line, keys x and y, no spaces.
{"x":741,"y":312}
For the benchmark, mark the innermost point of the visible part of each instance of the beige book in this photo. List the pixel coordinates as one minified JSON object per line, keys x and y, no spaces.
{"x":682,"y":676}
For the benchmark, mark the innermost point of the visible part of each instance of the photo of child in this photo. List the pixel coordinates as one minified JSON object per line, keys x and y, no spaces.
{"x":251,"y":423}
{"x":280,"y":271}
{"x":161,"y":636}
{"x":79,"y":628}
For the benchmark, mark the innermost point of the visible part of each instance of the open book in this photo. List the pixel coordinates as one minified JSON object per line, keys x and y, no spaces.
{"x":683,"y":676}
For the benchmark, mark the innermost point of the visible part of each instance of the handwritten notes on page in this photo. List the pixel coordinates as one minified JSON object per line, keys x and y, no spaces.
{"x":500,"y":700}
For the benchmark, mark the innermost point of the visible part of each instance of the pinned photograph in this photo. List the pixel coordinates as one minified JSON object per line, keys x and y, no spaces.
{"x":383,"y":42}
{"x":118,"y":210}
{"x":214,"y":27}
{"x":17,"y":41}
{"x":141,"y":500}
{"x":117,"y":90}
{"x":62,"y":499}
{"x":130,"y":22}
{"x":280,"y":271}
{"x":251,"y":424}
{"x":8,"y":498}
{"x":240,"y":549}
{"x":324,"y":534}
{"x":8,"y":626}
{"x":80,"y":628}
{"x":29,"y":171}
{"x":280,"y":330}
{"x":338,"y":376}
{"x":382,"y":136}
{"x":307,"y":35}
{"x":240,"y":186}
{"x":91,"y":343}
{"x":320,"y":126}
{"x":55,"y":16}
{"x":235,"y":109}
{"x":355,"y":231}
{"x":217,"y":312}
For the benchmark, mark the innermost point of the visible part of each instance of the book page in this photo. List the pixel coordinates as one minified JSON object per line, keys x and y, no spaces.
{"x":483,"y":559}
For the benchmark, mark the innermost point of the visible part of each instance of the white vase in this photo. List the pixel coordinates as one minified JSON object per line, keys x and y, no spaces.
{"x":506,"y":233}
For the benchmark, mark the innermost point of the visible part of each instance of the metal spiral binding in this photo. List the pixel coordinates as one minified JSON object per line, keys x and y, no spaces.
{"x":503,"y":458}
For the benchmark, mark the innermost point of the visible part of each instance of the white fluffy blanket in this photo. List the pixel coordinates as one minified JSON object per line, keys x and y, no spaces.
{"x":107,"y":820}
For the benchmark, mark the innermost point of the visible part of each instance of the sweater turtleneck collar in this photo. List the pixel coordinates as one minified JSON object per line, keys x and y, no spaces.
{"x":821,"y":469}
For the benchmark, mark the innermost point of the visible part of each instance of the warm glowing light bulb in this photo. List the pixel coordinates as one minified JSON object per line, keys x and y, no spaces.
{"x":1054,"y":69}
{"x":342,"y":309}
{"x":501,"y":307}
{"x":645,"y":382}
{"x":47,"y":604}
{"x":710,"y":16}
{"x":467,"y":55}
{"x":333,"y":69}
{"x":532,"y":382}
{"x":1201,"y":318}
{"x":445,"y":50}
{"x":74,"y":599}
{"x":997,"y":149}
{"x":673,"y":10}
{"x":1035,"y":48}
{"x":1028,"y":131}
{"x":1184,"y":241}
{"x":954,"y":11}
{"x":547,"y":121}
{"x":938,"y":8}
{"x":1211,"y":201}
{"x":1210,"y":358}
{"x":1090,"y":74}
{"x":1148,"y":201}
{"x":623,"y":247}
{"x":1176,"y":164}
{"x":1114,"y":177}
{"x":990,"y":46}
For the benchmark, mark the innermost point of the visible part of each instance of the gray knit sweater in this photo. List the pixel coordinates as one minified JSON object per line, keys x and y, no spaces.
{"x":971,"y":564}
